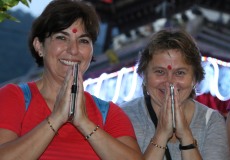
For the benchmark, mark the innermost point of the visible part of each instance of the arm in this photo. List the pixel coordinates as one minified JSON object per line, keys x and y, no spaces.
{"x":102,"y":140}
{"x":228,"y":127}
{"x":183,"y":132}
{"x":157,"y":146}
{"x":109,"y":148}
{"x":12,"y":111}
{"x":29,"y":146}
{"x":32,"y":144}
{"x":216,"y":144}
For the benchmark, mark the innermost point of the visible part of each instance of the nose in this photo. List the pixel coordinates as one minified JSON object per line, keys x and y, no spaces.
{"x":72,"y":47}
{"x":170,"y":78}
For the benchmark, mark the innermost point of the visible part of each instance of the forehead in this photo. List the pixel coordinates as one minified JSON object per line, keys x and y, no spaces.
{"x":171,"y":57}
{"x":168,"y":55}
{"x":76,"y":25}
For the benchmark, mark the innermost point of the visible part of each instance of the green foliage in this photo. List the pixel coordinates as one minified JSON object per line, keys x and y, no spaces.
{"x":5,"y":5}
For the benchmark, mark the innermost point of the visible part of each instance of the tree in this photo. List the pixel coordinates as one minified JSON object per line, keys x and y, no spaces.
{"x":5,"y":5}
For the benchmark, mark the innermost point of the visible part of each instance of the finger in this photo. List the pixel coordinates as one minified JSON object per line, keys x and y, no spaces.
{"x":168,"y":110}
{"x":80,"y":90}
{"x":179,"y":114}
{"x":168,"y":100}
{"x":67,"y":81}
{"x":177,"y":110}
{"x":80,"y":94}
{"x":63,"y":99}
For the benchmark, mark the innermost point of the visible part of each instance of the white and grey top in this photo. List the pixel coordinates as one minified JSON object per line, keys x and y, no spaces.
{"x":207,"y":126}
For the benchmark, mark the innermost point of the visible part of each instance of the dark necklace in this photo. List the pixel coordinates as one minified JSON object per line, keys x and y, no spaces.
{"x":155,"y":121}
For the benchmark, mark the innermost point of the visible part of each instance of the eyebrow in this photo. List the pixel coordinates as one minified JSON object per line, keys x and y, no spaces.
{"x":81,"y":36}
{"x":165,"y":67}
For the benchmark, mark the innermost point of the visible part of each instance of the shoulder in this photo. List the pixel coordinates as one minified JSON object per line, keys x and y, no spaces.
{"x":88,"y":97}
{"x":10,"y":91}
{"x":9,"y":87}
{"x":210,"y":130}
{"x":118,"y":123}
{"x":135,"y":103}
{"x":97,"y":101}
{"x":101,"y":103}
{"x":208,"y":114}
{"x":135,"y":107}
{"x":12,"y":108}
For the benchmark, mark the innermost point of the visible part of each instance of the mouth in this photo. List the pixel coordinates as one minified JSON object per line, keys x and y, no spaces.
{"x":69,"y":63}
{"x":163,"y":91}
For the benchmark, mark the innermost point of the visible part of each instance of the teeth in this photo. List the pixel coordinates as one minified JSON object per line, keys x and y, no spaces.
{"x":70,"y":63}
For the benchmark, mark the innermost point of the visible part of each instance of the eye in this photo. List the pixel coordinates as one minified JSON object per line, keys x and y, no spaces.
{"x":85,"y":40}
{"x":180,"y":73}
{"x":159,"y":72}
{"x":60,"y":37}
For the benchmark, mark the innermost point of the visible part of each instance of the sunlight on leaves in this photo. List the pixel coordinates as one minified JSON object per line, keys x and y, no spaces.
{"x":6,"y":5}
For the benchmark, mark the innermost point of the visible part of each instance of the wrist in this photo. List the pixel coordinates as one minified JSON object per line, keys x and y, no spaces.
{"x":192,"y":145}
{"x":159,"y":140}
{"x":161,"y":137}
{"x":158,"y":144}
{"x":56,"y":120}
{"x":186,"y":139}
{"x":85,"y":126}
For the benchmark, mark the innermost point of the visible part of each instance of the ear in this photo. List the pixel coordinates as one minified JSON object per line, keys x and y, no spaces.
{"x":38,"y":46}
{"x":194,"y":82}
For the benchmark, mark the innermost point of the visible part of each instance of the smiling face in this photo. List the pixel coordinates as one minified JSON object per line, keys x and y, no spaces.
{"x":159,"y":75}
{"x":64,"y":49}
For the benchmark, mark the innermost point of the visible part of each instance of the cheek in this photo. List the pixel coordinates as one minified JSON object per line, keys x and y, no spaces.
{"x":53,"y":49}
{"x":87,"y":58}
{"x":152,"y":82}
{"x":183,"y":85}
{"x":86,"y":51}
{"x":155,"y":80}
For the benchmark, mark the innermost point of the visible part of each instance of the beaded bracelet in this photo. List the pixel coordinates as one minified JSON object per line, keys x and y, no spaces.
{"x":51,"y":126}
{"x":89,"y":135}
{"x":156,"y":145}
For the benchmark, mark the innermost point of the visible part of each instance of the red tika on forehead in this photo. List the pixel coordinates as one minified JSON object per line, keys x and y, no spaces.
{"x":74,"y":30}
{"x":169,"y":67}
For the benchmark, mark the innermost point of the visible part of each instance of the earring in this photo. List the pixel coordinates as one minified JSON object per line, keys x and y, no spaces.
{"x":40,"y":54}
{"x":194,"y":87}
{"x":144,"y":82}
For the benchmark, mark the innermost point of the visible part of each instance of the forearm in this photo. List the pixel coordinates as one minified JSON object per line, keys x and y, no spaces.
{"x":29,"y":146}
{"x":189,"y":148}
{"x":155,"y":152}
{"x":194,"y":153}
{"x":156,"y":148}
{"x":109,"y":148}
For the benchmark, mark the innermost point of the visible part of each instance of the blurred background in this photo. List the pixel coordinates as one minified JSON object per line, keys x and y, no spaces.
{"x":126,"y":26}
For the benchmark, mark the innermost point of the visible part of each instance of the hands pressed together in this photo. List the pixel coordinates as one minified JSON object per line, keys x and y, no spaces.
{"x":165,"y":118}
{"x":62,"y":105}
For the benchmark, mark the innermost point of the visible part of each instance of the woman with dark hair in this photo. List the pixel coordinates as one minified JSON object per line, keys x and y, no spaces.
{"x":61,"y":121}
{"x":168,"y":122}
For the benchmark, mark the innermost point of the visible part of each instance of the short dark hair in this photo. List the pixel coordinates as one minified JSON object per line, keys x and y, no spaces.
{"x":166,"y":39}
{"x":59,"y":15}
